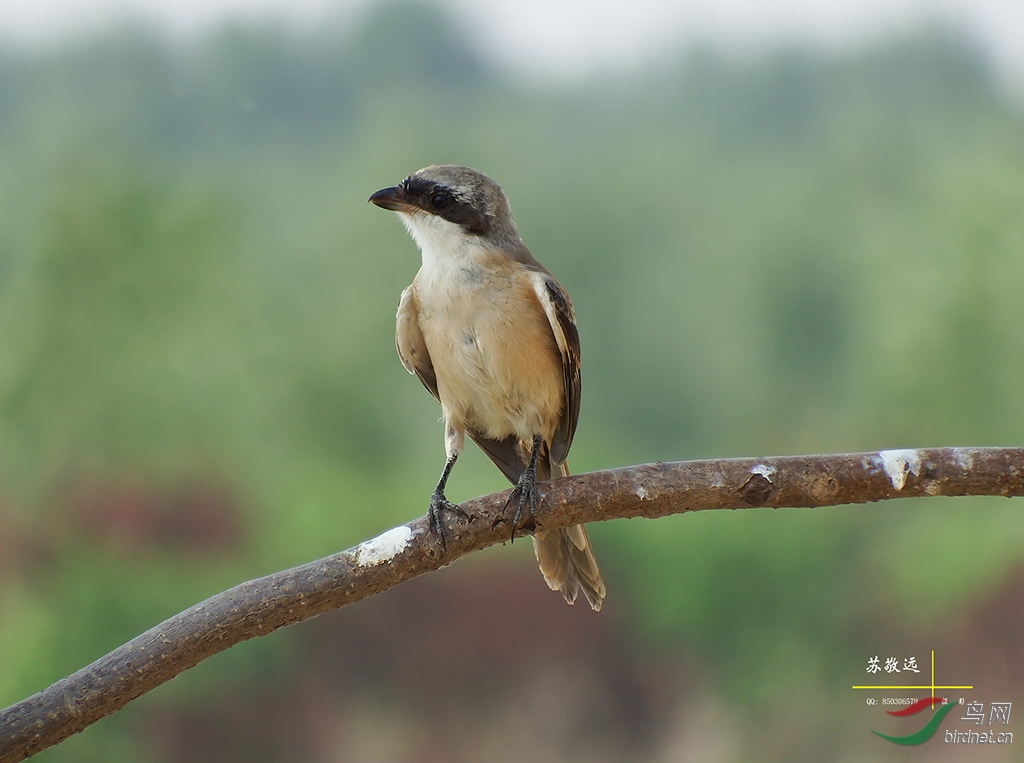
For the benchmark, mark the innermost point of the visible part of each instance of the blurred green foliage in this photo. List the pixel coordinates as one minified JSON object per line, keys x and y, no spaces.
{"x":799,"y":254}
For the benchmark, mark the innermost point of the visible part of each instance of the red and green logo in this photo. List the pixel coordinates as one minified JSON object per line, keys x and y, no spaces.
{"x":924,"y":733}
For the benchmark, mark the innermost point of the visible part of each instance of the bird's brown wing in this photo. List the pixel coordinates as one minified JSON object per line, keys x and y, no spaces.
{"x":409,"y":340}
{"x":508,"y":455}
{"x":559,"y":312}
{"x":565,"y":556}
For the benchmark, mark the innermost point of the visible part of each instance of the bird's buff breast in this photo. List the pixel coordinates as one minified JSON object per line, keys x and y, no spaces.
{"x":498,"y":369}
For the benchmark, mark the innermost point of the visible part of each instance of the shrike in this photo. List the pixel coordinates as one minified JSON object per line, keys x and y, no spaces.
{"x":491,"y":334}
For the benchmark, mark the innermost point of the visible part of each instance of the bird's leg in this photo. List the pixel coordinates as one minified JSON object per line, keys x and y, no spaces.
{"x":524,"y":494}
{"x":439,"y":503}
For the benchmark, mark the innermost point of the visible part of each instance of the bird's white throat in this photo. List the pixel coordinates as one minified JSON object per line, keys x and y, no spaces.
{"x":444,"y":246}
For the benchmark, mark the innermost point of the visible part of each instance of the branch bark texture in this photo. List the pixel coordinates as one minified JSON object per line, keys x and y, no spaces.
{"x":260,"y":606}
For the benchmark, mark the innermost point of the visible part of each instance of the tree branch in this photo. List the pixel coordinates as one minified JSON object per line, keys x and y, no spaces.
{"x":261,"y":606}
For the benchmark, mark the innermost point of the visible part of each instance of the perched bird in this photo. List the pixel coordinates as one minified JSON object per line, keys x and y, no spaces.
{"x":491,"y":334}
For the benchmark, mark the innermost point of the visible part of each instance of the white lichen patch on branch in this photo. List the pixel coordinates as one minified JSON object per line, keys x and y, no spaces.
{"x":764,"y":470}
{"x":898,"y":463}
{"x":963,"y":457}
{"x":384,"y":547}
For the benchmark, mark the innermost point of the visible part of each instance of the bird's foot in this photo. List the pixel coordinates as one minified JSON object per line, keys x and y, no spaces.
{"x":438,"y":504}
{"x":526,"y":498}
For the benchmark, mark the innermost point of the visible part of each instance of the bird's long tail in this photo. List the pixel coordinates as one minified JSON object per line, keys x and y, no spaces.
{"x":566,"y":557}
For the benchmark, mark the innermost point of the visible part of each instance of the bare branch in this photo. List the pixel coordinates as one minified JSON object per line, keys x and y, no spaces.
{"x":261,"y":606}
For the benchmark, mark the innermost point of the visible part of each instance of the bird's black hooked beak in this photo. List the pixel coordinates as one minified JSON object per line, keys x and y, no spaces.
{"x":391,"y":198}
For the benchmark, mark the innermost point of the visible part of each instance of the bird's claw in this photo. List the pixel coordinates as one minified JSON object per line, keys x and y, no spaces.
{"x":439,"y":503}
{"x":525,"y":496}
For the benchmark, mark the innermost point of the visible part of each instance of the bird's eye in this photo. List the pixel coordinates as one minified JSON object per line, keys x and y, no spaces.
{"x":440,"y":200}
